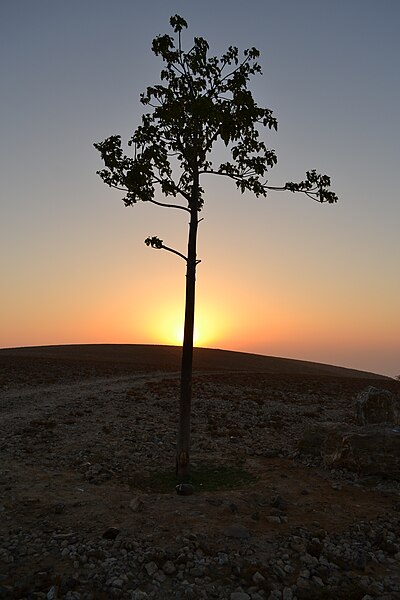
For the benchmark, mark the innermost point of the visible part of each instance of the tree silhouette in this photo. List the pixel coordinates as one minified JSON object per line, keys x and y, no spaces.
{"x":201,"y":99}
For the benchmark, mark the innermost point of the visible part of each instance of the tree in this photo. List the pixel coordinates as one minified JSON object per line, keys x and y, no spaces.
{"x":201,"y":99}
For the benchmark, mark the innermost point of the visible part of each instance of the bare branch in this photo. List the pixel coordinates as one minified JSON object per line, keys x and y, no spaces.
{"x":116,"y":187}
{"x":158,"y":244}
{"x":169,"y":205}
{"x":174,"y":252}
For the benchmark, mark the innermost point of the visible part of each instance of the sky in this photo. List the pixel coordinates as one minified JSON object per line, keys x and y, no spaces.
{"x":281,"y":275}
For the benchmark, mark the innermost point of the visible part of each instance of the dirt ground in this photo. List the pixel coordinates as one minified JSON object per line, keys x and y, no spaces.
{"x":80,"y":439}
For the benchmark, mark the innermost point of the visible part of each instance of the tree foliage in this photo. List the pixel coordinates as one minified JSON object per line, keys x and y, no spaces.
{"x":201,"y":99}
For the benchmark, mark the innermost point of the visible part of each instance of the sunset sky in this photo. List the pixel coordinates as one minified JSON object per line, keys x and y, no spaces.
{"x":281,"y":275}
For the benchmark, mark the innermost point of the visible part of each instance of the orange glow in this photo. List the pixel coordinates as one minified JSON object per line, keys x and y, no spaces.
{"x":167,"y":327}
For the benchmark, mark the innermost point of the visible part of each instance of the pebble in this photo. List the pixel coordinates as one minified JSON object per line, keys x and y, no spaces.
{"x":258,"y":578}
{"x":151,"y":568}
{"x":273,"y":519}
{"x":237,"y":531}
{"x":184,"y":489}
{"x":136,"y":505}
{"x":169,"y":567}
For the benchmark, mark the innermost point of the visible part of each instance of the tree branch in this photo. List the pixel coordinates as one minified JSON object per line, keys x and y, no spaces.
{"x":169,"y":205}
{"x":158,"y":244}
{"x":314,"y":193}
{"x":174,"y":252}
{"x":212,"y":172}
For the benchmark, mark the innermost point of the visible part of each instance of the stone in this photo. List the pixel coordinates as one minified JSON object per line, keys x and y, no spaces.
{"x":239,"y":596}
{"x":258,"y":578}
{"x":377,"y":406}
{"x":169,"y":567}
{"x":151,"y":568}
{"x":237,"y":531}
{"x":273,"y":519}
{"x":160,"y":576}
{"x":298,"y":544}
{"x":98,"y":473}
{"x":139,"y":595}
{"x":184,"y":489}
{"x":52,"y":593}
{"x":136,"y":505}
{"x":369,"y":450}
{"x":223,"y":558}
{"x":111,"y":533}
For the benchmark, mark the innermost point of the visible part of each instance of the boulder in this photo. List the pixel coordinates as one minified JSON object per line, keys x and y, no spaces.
{"x":368,"y":449}
{"x":371,"y":450}
{"x":377,"y":406}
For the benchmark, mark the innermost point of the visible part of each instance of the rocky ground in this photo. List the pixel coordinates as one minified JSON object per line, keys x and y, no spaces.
{"x":85,"y":515}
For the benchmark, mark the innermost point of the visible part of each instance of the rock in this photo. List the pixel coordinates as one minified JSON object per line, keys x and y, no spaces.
{"x":169,"y":568}
{"x":273,"y":519}
{"x":98,"y":474}
{"x":371,"y":450}
{"x":184,"y":489}
{"x":258,"y":578}
{"x":377,"y":406}
{"x":237,"y":531}
{"x":336,"y":486}
{"x":239,"y":596}
{"x":139,"y":595}
{"x":223,"y":558}
{"x":111,"y":533}
{"x":287,"y":593}
{"x":151,"y":568}
{"x":298,"y":544}
{"x":52,"y":593}
{"x":136,"y":505}
{"x":160,"y":576}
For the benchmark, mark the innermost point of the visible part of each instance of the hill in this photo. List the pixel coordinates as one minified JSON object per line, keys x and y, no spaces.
{"x":149,"y":357}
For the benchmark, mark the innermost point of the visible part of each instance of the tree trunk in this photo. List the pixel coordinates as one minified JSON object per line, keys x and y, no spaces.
{"x":183,"y":443}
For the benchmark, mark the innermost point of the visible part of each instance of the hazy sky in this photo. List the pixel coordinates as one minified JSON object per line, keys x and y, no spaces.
{"x":280,"y":275}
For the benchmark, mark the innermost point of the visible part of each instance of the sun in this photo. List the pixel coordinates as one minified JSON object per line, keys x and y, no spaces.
{"x":196,"y":337}
{"x":170,"y":329}
{"x":167,"y":326}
